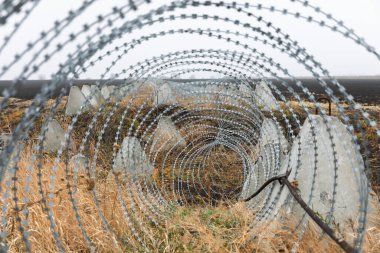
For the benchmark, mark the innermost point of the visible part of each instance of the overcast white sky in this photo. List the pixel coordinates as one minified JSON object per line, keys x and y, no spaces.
{"x":340,"y":56}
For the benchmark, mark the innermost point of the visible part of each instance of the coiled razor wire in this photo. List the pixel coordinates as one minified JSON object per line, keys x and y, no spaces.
{"x":152,"y":171}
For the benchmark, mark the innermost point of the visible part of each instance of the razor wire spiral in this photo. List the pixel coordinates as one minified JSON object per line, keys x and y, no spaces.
{"x":208,"y":114}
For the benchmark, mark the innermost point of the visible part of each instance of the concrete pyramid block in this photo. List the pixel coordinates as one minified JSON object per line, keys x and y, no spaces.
{"x":108,"y":92}
{"x":320,"y":172}
{"x":271,"y":134}
{"x":131,"y":160}
{"x":18,"y":147}
{"x":251,"y":183}
{"x":93,"y":94}
{"x":276,"y":196}
{"x":167,"y":135}
{"x":245,"y":91}
{"x":272,"y":154}
{"x":79,"y":163}
{"x":164,"y":95}
{"x":263,"y":97}
{"x":266,"y":166}
{"x":75,"y":101}
{"x":259,"y":204}
{"x":54,"y":137}
{"x":224,"y":94}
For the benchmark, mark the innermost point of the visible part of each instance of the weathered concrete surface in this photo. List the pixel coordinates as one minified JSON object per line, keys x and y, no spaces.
{"x":227,"y":95}
{"x":164,"y":95}
{"x":253,"y":180}
{"x":271,"y":133}
{"x":269,"y":163}
{"x":75,"y":101}
{"x":276,"y":197}
{"x":272,"y":151}
{"x":17,"y":149}
{"x":131,"y":160}
{"x":318,"y":173}
{"x":107,"y":91}
{"x":245,"y":91}
{"x":54,"y":136}
{"x":263,"y":97}
{"x":79,"y":163}
{"x":93,"y":94}
{"x":167,"y":135}
{"x":265,"y":167}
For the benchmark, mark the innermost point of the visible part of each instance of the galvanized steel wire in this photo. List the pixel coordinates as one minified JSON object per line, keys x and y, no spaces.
{"x":207,"y":113}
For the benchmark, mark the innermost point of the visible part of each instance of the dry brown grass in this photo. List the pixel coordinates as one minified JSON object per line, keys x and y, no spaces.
{"x":72,"y":239}
{"x":227,"y":228}
{"x":221,"y":228}
{"x":195,"y":228}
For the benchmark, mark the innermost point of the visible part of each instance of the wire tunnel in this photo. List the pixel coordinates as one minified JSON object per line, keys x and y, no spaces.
{"x":109,"y":161}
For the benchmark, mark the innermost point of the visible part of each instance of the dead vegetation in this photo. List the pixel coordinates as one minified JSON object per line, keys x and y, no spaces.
{"x":202,"y":226}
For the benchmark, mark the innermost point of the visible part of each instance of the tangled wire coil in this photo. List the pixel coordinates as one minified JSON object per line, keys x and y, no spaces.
{"x":158,"y":141}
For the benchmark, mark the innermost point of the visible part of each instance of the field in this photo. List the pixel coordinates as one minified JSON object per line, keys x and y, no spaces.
{"x":217,"y":224}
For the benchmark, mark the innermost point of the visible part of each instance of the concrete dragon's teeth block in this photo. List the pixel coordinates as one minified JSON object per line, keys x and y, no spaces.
{"x":165,"y":95}
{"x":131,"y":160}
{"x":75,"y":100}
{"x":272,"y":151}
{"x":167,"y":135}
{"x":54,"y":137}
{"x":108,"y":93}
{"x":263,"y":97}
{"x":79,"y":163}
{"x":271,"y":133}
{"x":324,"y":181}
{"x":93,"y":94}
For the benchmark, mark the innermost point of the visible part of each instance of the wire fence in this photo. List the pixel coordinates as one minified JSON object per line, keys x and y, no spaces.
{"x":115,"y":158}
